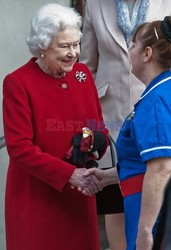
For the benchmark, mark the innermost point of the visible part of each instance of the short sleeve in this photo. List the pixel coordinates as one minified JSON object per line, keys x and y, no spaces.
{"x":152,"y":129}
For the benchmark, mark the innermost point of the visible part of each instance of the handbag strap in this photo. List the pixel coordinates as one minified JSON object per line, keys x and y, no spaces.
{"x":112,"y":145}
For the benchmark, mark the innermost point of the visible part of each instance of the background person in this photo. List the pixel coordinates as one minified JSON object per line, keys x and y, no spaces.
{"x":46,"y":102}
{"x":143,"y":145}
{"x":108,"y":27}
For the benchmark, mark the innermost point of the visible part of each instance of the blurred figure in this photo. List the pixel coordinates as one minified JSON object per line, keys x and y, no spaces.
{"x":108,"y":27}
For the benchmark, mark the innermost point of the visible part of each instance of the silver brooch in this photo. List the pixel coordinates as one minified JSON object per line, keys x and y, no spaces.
{"x":131,"y":116}
{"x":80,"y":76}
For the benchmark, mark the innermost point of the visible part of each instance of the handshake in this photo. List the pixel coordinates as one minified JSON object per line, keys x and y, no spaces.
{"x":91,"y":181}
{"x":85,"y":150}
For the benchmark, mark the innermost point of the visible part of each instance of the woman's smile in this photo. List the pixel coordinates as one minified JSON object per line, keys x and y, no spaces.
{"x":63,"y":52}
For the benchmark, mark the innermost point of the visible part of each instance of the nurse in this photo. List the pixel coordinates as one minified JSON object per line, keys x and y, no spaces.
{"x":144,"y":142}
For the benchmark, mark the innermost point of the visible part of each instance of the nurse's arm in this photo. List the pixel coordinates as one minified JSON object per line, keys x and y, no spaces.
{"x":156,"y":177}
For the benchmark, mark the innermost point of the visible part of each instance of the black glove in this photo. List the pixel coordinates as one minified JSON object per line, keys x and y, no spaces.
{"x":81,"y":158}
{"x":92,"y":164}
{"x":100,"y":143}
{"x":78,"y":157}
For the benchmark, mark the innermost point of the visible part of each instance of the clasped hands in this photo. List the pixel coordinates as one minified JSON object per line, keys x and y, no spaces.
{"x":91,"y":181}
{"x":86,"y":148}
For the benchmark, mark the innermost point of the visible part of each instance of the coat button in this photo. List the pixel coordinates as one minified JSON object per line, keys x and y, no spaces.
{"x":64,"y":86}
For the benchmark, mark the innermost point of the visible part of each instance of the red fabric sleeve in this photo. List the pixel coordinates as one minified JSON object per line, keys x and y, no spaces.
{"x":17,"y":114}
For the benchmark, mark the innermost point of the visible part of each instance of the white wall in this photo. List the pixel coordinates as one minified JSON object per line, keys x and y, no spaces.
{"x":15,"y":17}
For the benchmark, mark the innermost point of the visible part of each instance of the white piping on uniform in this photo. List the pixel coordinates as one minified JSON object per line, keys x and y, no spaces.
{"x":162,"y":81}
{"x":152,"y":149}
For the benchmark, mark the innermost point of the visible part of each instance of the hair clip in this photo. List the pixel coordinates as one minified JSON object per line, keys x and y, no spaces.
{"x":155,"y":32}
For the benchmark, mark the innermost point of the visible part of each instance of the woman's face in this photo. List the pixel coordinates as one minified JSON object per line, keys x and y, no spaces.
{"x":63,"y":52}
{"x":136,"y":57}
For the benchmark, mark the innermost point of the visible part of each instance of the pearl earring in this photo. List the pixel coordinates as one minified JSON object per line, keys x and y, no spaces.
{"x":42,"y":55}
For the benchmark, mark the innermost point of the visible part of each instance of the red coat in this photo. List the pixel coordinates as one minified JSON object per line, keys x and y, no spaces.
{"x":41,"y":115}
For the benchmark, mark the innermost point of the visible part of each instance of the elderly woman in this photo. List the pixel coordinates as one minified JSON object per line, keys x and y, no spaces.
{"x":46,"y":103}
{"x":144,"y":142}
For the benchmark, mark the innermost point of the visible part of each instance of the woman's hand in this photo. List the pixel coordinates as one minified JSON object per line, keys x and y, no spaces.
{"x":88,"y":185}
{"x":144,"y":239}
{"x":105,"y":177}
{"x":155,"y":180}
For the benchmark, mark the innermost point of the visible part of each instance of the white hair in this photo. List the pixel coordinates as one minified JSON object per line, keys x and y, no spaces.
{"x":47,"y":22}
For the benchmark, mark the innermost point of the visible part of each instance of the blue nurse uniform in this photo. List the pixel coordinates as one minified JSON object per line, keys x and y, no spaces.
{"x":145,"y":134}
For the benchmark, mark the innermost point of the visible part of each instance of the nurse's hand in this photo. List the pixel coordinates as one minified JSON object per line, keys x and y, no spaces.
{"x":105,"y":177}
{"x":88,"y":185}
{"x":144,"y":240}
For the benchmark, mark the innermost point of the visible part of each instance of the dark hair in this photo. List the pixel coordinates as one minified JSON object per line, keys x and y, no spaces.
{"x":157,"y":35}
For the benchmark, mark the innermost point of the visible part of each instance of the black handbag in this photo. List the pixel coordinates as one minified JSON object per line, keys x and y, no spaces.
{"x":110,"y":200}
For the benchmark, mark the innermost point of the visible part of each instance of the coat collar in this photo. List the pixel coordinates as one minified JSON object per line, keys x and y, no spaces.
{"x":161,"y":78}
{"x":109,"y":11}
